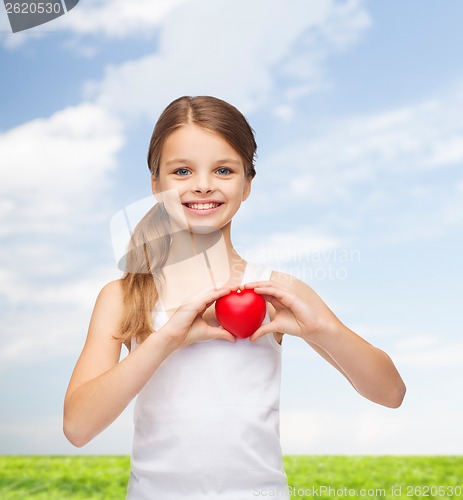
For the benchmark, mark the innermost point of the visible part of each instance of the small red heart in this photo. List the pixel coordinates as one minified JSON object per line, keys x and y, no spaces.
{"x":241,"y":312}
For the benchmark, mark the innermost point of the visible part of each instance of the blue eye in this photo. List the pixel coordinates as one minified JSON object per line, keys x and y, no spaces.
{"x":228,"y":171}
{"x":182,"y":172}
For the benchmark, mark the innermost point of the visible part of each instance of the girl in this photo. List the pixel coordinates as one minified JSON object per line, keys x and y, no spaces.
{"x":207,"y":412}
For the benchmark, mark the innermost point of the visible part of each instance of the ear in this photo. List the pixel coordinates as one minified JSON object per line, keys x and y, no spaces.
{"x":247,"y":188}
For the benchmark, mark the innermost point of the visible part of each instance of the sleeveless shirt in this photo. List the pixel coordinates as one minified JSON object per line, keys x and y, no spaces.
{"x":206,"y":424}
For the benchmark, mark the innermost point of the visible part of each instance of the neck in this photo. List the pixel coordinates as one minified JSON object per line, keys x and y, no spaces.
{"x":216,"y":247}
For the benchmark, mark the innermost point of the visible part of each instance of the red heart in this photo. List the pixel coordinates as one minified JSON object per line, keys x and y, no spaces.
{"x":241,"y":312}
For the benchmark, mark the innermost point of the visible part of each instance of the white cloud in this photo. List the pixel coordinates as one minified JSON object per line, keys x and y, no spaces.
{"x":53,"y":167}
{"x":25,"y":434}
{"x":436,"y":353}
{"x":372,"y":431}
{"x":241,"y":60}
{"x":377,"y":170}
{"x":284,"y":112}
{"x":114,"y":19}
{"x":117,"y":18}
{"x":80,"y":291}
{"x":54,"y":185}
{"x":13,"y":41}
{"x":415,"y":348}
{"x":322,"y":414}
{"x":64,"y":168}
{"x":48,"y":318}
{"x":44,"y":436}
{"x":53,"y":182}
{"x":43,"y":336}
{"x":418,"y":342}
{"x":268,"y":26}
{"x":296,"y":244}
{"x":358,"y":150}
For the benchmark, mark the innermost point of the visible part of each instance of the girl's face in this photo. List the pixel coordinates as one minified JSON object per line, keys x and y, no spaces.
{"x":201,"y":178}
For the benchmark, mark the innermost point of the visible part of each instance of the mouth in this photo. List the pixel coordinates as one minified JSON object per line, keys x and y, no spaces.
{"x":202,"y":206}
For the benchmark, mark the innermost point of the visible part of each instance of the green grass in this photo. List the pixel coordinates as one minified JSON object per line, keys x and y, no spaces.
{"x":96,"y":477}
{"x":63,"y":477}
{"x":386,"y":477}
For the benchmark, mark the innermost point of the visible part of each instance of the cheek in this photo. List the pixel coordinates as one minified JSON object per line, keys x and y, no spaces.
{"x":234,"y":195}
{"x":171,"y":199}
{"x":165,"y":184}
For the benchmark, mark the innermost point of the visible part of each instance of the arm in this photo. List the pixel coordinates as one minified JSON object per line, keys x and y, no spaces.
{"x":101,"y":387}
{"x":301,"y":312}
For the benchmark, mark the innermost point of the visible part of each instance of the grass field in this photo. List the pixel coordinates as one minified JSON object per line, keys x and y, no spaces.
{"x":96,"y":477}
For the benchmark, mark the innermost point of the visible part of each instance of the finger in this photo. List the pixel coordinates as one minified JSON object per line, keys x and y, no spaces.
{"x":212,"y":295}
{"x":215,"y":332}
{"x":206,"y":299}
{"x":267,"y":285}
{"x":273,"y":300}
{"x":254,"y":284}
{"x":231,"y":284}
{"x":263,"y":330}
{"x":283,"y":295}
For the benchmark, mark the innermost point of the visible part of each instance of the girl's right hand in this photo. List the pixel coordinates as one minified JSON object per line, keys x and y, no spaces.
{"x":187,"y":325}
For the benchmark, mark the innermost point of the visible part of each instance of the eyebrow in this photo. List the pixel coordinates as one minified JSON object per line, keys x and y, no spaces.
{"x":182,"y":160}
{"x":176,"y":160}
{"x":230,"y":160}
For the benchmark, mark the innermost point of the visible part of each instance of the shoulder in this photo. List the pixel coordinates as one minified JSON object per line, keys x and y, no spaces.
{"x":112,"y":292}
{"x":110,"y":301}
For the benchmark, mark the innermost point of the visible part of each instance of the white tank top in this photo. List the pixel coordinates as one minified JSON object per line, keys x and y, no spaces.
{"x":207,"y":421}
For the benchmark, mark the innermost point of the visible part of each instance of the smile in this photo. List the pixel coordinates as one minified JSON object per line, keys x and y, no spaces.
{"x":202,"y":206}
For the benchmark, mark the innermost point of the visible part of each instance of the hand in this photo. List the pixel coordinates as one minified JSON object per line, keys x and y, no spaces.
{"x":187,"y":325}
{"x":293,"y":315}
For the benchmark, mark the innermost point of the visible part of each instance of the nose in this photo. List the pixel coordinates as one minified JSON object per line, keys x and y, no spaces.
{"x":203,"y":184}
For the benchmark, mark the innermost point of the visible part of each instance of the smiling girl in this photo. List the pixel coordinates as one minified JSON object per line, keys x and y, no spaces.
{"x":207,"y":411}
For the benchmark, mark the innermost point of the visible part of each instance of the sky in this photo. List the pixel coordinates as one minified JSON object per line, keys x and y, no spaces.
{"x":357,"y":110}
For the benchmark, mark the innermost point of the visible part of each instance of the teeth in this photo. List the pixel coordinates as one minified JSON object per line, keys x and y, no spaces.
{"x":202,"y":206}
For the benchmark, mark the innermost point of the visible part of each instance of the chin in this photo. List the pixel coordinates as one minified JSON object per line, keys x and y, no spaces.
{"x":203,"y":229}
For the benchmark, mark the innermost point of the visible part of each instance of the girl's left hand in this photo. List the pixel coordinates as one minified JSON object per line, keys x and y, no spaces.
{"x":293,"y":315}
{"x":301,"y":312}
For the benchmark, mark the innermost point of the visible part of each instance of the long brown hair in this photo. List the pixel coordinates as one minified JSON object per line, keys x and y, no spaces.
{"x":149,"y":244}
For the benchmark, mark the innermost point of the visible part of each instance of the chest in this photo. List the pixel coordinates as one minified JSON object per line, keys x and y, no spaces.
{"x":183,"y":285}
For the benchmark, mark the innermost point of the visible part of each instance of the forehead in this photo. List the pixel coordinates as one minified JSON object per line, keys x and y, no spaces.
{"x":197,"y":144}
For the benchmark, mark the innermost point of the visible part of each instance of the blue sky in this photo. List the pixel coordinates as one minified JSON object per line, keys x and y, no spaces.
{"x":357,"y":110}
